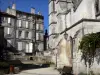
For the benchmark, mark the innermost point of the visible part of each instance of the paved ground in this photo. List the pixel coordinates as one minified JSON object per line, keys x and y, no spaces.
{"x":40,"y":71}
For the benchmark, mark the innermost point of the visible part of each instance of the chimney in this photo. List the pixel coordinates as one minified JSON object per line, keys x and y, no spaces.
{"x":32,"y":10}
{"x":14,"y":6}
{"x":39,"y":13}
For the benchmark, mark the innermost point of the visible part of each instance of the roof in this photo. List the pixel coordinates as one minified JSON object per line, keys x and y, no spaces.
{"x":26,"y":13}
{"x":6,"y":15}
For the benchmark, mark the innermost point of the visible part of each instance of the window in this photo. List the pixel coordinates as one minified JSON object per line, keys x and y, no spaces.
{"x":20,"y":32}
{"x":2,"y":19}
{"x":41,"y":27}
{"x":24,"y":23}
{"x":30,"y":35}
{"x":19,"y":46}
{"x":9,"y":43}
{"x":26,"y":35}
{"x":41,"y":36}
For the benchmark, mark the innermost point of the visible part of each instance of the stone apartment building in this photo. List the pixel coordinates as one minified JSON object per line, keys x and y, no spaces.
{"x":69,"y":20}
{"x":5,"y":46}
{"x":25,"y":32}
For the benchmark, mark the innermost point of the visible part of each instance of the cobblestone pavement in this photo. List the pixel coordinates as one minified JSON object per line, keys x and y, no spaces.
{"x":41,"y":71}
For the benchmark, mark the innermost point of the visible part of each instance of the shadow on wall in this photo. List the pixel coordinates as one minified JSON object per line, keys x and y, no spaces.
{"x":33,"y":66}
{"x":98,"y":55}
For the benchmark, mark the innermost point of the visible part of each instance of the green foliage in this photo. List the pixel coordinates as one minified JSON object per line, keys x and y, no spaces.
{"x":88,"y":46}
{"x":1,"y":72}
{"x":81,"y":73}
{"x":3,"y":64}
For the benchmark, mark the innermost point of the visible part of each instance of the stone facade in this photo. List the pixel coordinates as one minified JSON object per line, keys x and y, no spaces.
{"x":73,"y":18}
{"x":25,"y":31}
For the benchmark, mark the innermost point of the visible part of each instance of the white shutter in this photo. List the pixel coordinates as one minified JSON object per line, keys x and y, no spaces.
{"x":27,"y":47}
{"x":37,"y":36}
{"x":26,"y":24}
{"x":8,"y":31}
{"x":19,"y":23}
{"x":37,"y":26}
{"x":30,"y":47}
{"x":9,"y":20}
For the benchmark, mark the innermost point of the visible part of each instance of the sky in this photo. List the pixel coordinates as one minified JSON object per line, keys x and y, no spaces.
{"x":25,"y":5}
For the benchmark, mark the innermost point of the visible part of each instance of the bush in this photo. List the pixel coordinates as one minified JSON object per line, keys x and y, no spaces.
{"x":88,"y":46}
{"x":3,"y":64}
{"x":82,"y":74}
{"x":1,"y":72}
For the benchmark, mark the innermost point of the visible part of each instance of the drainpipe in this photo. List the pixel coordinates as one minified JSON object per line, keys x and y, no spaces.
{"x":35,"y":36}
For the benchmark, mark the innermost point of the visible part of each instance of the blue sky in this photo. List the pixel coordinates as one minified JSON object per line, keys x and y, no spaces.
{"x":25,"y":5}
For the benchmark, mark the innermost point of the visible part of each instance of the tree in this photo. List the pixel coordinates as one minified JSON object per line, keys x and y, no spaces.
{"x":88,"y":46}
